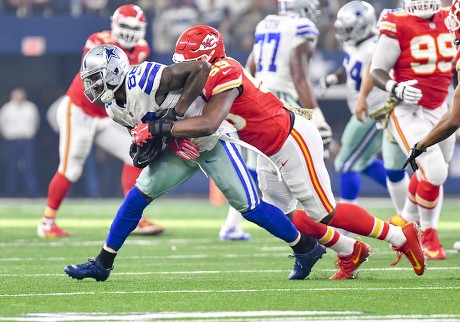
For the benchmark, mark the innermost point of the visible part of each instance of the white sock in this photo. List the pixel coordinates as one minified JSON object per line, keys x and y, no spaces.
{"x":395,"y":236}
{"x":429,"y":218}
{"x":397,"y":192}
{"x":344,"y":246}
{"x":233,"y":221}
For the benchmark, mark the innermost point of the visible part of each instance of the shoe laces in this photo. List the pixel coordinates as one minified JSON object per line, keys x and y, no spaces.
{"x":398,"y":258}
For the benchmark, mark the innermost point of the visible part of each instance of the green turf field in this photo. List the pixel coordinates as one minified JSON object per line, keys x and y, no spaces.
{"x":188,"y":274}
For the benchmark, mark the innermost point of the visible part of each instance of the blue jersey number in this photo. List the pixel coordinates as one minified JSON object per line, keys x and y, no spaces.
{"x":354,"y":72}
{"x":261,"y":39}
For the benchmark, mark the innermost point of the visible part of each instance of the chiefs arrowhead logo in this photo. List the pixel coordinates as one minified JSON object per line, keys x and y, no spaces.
{"x":209,"y":42}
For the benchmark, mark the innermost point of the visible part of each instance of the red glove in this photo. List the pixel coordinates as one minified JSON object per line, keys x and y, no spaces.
{"x":141,"y":134}
{"x":183,"y":148}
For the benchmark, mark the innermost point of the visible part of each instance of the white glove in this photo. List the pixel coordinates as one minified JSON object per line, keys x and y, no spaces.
{"x":324,"y":129}
{"x":405,"y":91}
{"x":327,"y":81}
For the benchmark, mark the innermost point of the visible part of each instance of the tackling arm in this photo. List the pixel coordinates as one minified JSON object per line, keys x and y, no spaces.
{"x":214,"y":113}
{"x":190,"y":76}
{"x":447,"y":125}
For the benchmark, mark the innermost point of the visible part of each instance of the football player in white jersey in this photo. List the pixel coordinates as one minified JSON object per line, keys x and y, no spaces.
{"x":137,"y":96}
{"x":362,"y":140}
{"x":283,"y":46}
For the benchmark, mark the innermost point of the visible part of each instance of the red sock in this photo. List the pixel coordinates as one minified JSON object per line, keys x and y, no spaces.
{"x":128,"y":177}
{"x":57,"y":190}
{"x":427,"y":195}
{"x":356,"y":219}
{"x":412,"y":189}
{"x":320,"y":231}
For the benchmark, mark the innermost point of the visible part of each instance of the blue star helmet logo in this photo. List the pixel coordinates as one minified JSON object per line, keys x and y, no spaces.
{"x":358,"y":13}
{"x":109,"y":53}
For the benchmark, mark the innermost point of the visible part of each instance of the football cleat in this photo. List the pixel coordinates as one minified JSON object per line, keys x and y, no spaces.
{"x":412,"y":248}
{"x":147,"y":228}
{"x":233,"y":234}
{"x":397,"y":220}
{"x":350,"y":263}
{"x":303,"y":263}
{"x":431,"y":245}
{"x":46,"y":230}
{"x":91,"y":269}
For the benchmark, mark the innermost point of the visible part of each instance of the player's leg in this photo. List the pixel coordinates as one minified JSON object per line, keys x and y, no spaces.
{"x":116,"y":140}
{"x":408,"y":128}
{"x":76,"y":134}
{"x":397,"y":178}
{"x":232,"y":229}
{"x":359,"y":147}
{"x":309,"y":166}
{"x":237,"y":186}
{"x":165,"y":173}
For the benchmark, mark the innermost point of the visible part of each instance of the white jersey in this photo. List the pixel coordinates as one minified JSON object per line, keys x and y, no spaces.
{"x":354,"y":63}
{"x":141,"y":85}
{"x":275,"y":38}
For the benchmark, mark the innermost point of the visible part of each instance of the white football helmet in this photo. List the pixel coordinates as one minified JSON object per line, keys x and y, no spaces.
{"x":128,"y":25}
{"x":355,"y":22}
{"x":421,"y":8}
{"x":304,"y":8}
{"x":103,"y":66}
{"x":452,"y":22}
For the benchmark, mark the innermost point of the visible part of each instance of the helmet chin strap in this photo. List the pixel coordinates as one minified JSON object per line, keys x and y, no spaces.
{"x":107,"y":96}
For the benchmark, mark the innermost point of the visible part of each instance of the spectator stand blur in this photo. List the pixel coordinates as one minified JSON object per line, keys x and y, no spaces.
{"x":19,"y":123}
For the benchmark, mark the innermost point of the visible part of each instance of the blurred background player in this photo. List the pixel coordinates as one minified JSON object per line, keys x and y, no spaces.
{"x":280,"y":58}
{"x":362,"y":140}
{"x":417,"y":46}
{"x":82,"y":123}
{"x":449,"y":122}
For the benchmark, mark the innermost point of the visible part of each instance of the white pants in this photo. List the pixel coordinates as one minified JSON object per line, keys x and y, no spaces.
{"x":409,"y":124}
{"x":305,"y":178}
{"x":77,"y":133}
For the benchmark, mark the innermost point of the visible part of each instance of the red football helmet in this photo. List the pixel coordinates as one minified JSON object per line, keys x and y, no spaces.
{"x":128,"y":25}
{"x":452,"y":22}
{"x":199,"y":43}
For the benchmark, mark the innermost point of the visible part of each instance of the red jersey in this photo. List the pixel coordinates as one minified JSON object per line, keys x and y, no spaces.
{"x":427,"y":53}
{"x":76,"y":91}
{"x":257,"y":114}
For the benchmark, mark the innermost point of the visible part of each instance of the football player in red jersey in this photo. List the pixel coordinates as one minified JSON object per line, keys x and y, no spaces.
{"x":82,"y":123}
{"x":294,"y":144}
{"x":417,"y":46}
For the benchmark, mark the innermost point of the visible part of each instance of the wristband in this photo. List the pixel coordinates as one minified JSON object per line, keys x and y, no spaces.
{"x":161,"y":128}
{"x":390,"y":85}
{"x":332,"y":79}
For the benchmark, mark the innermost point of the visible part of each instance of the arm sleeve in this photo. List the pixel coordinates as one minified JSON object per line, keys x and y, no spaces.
{"x":386,"y":53}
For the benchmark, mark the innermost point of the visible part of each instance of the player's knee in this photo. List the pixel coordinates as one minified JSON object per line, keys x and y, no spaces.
{"x":73,"y":174}
{"x":437,"y":176}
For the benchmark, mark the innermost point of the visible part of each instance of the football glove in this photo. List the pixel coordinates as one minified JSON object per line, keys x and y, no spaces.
{"x":413,"y":154}
{"x":183,"y":148}
{"x":405,"y":91}
{"x":141,"y":134}
{"x":143,"y":155}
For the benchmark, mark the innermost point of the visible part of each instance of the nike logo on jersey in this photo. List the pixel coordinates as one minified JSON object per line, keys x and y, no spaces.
{"x":209,"y":161}
{"x":226,"y":72}
{"x":284,"y":163}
